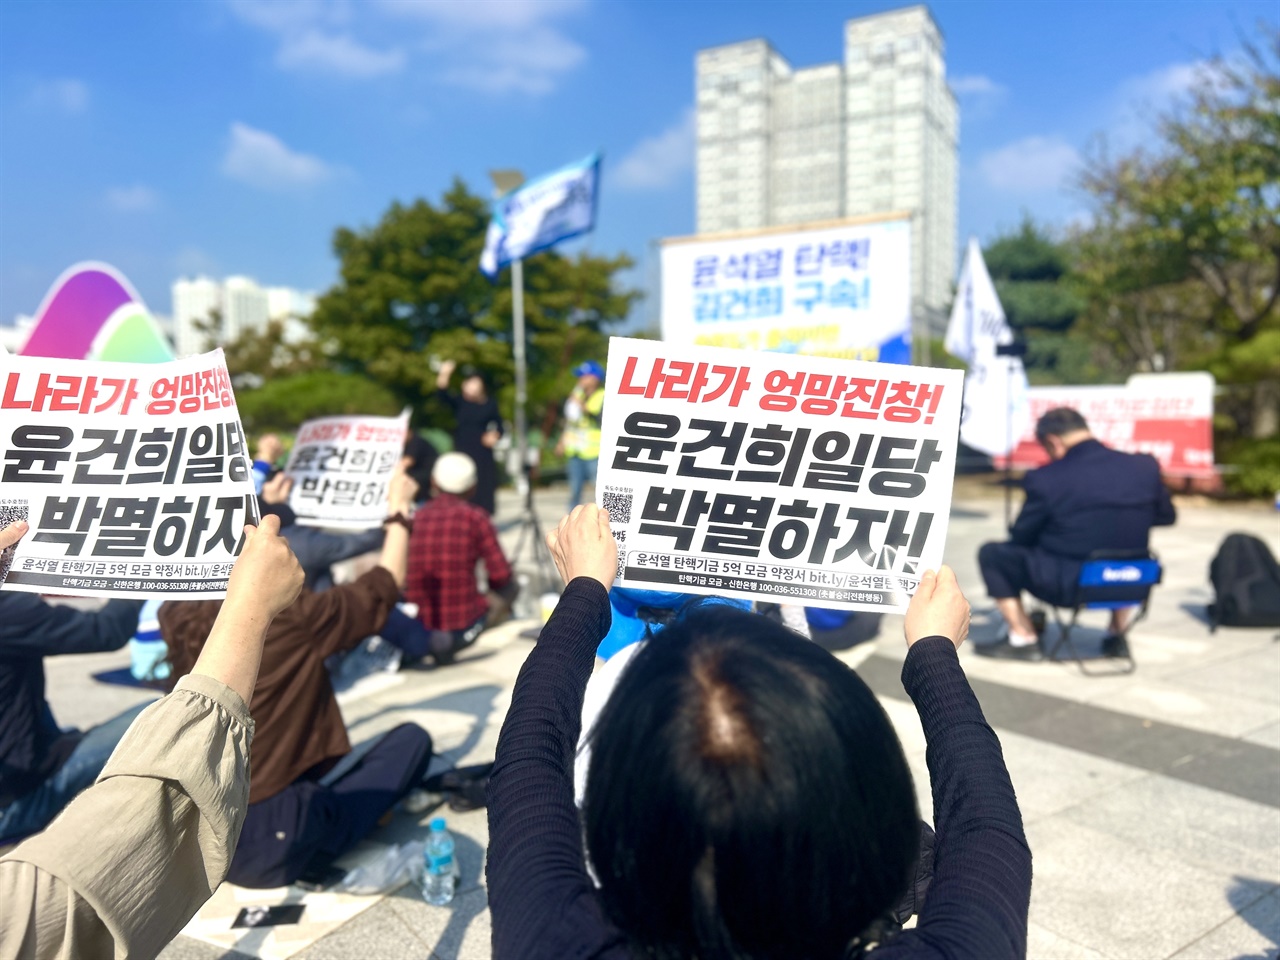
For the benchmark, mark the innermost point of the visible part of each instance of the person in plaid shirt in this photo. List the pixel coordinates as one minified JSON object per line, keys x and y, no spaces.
{"x":449,"y":535}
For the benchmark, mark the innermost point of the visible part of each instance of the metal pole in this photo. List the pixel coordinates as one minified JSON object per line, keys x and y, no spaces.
{"x":522,"y":389}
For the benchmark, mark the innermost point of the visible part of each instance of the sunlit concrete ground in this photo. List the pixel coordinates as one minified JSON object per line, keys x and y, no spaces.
{"x":1152,"y":801}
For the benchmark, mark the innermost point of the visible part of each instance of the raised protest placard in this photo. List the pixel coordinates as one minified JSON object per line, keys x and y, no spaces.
{"x":833,"y":290}
{"x":1168,"y":415}
{"x":134,"y":477}
{"x":776,"y":477}
{"x":340,"y":468}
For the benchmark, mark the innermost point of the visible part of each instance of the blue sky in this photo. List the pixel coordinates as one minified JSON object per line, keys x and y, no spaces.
{"x":233,"y":136}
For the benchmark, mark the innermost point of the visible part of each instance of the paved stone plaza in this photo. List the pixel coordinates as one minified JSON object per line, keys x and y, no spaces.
{"x":1151,"y":801}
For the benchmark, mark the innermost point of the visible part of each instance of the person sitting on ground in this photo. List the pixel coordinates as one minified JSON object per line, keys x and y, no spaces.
{"x":134,"y":856}
{"x":294,"y":818}
{"x":747,"y":795}
{"x":316,"y":549}
{"x":1089,"y":497}
{"x":450,"y":535}
{"x":41,"y":766}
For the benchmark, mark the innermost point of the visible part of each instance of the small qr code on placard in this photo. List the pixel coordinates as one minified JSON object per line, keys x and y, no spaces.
{"x":11,"y":511}
{"x":617,"y":500}
{"x":620,"y":537}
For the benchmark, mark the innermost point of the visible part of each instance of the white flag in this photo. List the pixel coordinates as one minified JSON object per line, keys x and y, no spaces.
{"x":995,"y":391}
{"x":541,"y":213}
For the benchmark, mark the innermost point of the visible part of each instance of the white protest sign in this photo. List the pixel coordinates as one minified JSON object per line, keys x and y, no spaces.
{"x":340,"y":468}
{"x":840,"y":290}
{"x":134,"y":477}
{"x":807,"y":480}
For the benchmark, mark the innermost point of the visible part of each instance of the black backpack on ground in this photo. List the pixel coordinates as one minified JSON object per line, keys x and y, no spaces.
{"x":1246,"y":584}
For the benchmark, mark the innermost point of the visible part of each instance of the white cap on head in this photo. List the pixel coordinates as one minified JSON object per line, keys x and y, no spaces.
{"x":454,"y":473}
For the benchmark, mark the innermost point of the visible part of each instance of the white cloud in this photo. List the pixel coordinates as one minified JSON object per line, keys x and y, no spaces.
{"x":527,"y":62}
{"x":63,"y":94}
{"x":975,"y":85}
{"x":658,"y":161}
{"x":133,"y":199}
{"x":1139,"y":101}
{"x":1030,"y":165}
{"x":494,"y":46}
{"x":1159,"y":87}
{"x":336,"y":53}
{"x":262,"y":160}
{"x":499,"y":14}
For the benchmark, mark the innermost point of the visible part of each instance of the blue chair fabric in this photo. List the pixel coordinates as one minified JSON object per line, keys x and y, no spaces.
{"x":1109,"y":580}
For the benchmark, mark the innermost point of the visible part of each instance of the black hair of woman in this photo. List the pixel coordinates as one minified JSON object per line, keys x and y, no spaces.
{"x":747,"y":797}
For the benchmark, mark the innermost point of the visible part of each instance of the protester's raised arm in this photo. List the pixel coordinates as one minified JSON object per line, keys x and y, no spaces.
{"x":444,"y":373}
{"x":395,"y":546}
{"x":265,"y":579}
{"x":583,"y":546}
{"x":977,"y":902}
{"x":535,"y":869}
{"x":938,"y":609}
{"x":132,"y":858}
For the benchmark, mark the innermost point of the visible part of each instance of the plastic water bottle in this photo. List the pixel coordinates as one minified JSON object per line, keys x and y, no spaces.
{"x":440,"y":870}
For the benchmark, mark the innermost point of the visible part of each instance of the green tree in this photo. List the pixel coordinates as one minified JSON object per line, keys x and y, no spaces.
{"x":411,"y":291}
{"x":281,"y":404}
{"x":256,"y":357}
{"x":1181,"y":267}
{"x":1032,"y":274}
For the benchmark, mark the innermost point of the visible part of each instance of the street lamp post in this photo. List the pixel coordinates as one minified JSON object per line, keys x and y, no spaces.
{"x":505,"y":181}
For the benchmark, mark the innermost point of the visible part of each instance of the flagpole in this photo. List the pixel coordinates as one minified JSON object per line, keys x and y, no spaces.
{"x":517,"y":336}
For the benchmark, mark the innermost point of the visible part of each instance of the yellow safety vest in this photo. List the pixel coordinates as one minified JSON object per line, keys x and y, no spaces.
{"x":582,"y":435}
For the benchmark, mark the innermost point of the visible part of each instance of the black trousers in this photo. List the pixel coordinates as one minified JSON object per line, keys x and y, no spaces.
{"x":307,"y":820}
{"x":1009,"y":568}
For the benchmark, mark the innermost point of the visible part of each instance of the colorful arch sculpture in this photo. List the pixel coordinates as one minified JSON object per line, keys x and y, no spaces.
{"x":92,"y":312}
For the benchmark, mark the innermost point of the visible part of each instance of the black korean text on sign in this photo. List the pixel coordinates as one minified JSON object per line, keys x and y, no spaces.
{"x":820,"y":533}
{"x":649,"y":434}
{"x":127,"y":526}
{"x":210,"y":454}
{"x":340,"y":492}
{"x":837,"y":461}
{"x":37,"y":453}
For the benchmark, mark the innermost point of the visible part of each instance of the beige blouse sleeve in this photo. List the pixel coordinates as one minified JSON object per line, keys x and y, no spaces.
{"x":132,"y":858}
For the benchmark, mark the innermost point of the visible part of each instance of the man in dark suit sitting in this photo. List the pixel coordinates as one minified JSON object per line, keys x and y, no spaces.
{"x":1088,"y":498}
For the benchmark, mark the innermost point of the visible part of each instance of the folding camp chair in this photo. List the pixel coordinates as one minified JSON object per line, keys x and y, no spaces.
{"x":1110,"y":580}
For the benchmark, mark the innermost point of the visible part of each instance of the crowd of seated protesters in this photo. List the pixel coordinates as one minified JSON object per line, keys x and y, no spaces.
{"x":296,"y":819}
{"x":133,"y":857}
{"x":746,"y":795}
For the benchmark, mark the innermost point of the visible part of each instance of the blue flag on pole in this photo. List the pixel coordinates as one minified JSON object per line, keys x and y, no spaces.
{"x":541,"y":213}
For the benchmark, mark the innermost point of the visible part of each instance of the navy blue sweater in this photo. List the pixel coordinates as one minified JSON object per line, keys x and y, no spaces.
{"x":543,"y":904}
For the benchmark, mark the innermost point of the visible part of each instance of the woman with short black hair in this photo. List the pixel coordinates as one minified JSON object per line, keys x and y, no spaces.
{"x":747,"y":797}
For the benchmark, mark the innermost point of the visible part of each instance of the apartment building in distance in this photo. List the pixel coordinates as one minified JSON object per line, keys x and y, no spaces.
{"x":240,"y":304}
{"x":876,"y":133}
